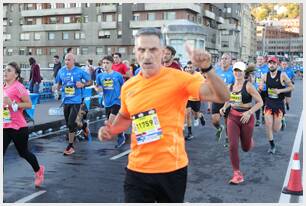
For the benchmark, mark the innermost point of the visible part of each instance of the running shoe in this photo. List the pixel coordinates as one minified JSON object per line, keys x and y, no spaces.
{"x":287,"y":107}
{"x":219,"y":133}
{"x":226,"y":142}
{"x":39,"y":176}
{"x":272,"y":150}
{"x":189,"y":137}
{"x":202,"y":121}
{"x":196,"y":122}
{"x":120,"y":141}
{"x":257,"y":123}
{"x":237,"y":178}
{"x":69,"y":150}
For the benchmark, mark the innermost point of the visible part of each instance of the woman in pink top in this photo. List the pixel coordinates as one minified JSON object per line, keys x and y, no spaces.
{"x":15,"y":100}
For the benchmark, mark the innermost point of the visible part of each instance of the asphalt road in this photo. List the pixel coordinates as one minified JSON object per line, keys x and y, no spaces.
{"x":90,"y":176}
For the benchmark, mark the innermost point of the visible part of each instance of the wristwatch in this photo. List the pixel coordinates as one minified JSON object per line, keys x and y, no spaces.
{"x":205,"y":70}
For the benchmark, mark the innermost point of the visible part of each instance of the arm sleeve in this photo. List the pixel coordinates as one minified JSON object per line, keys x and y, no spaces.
{"x":191,"y":84}
{"x":22,"y":91}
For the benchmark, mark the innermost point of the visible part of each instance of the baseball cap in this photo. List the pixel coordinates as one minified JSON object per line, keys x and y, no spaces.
{"x":240,"y":65}
{"x":273,"y":59}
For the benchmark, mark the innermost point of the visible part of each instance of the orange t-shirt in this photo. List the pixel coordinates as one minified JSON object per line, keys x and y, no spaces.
{"x":166,"y":93}
{"x":200,"y":78}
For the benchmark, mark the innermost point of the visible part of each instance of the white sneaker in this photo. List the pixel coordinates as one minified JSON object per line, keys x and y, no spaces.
{"x":196,"y":122}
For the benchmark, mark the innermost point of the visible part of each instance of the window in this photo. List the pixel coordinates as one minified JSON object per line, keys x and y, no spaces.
{"x":119,"y":34}
{"x":29,"y":21}
{"x":84,"y":50}
{"x":99,"y":51}
{"x":67,"y":5}
{"x":65,"y":35}
{"x":53,"y":51}
{"x":79,"y":35}
{"x":25,"y":36}
{"x":229,"y":10}
{"x":38,"y":21}
{"x":169,"y":15}
{"x":104,"y":35}
{"x":78,"y":51}
{"x":7,"y":37}
{"x":224,"y":44}
{"x":38,"y":51}
{"x":99,"y":18}
{"x":38,"y":7}
{"x":51,"y":36}
{"x":109,"y":17}
{"x":9,"y":52}
{"x":10,"y":22}
{"x":52,"y":20}
{"x":136,"y":17}
{"x":36,"y":36}
{"x":122,"y":50}
{"x":4,"y":22}
{"x":29,"y":6}
{"x":78,"y":5}
{"x":66,"y":19}
{"x":151,"y":16}
{"x":87,"y":5}
{"x":53,"y":5}
{"x":135,"y":31}
{"x":22,"y":51}
{"x":119,"y":17}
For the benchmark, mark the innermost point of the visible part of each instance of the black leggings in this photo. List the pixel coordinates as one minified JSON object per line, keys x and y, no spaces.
{"x":70,"y":113}
{"x":20,"y":138}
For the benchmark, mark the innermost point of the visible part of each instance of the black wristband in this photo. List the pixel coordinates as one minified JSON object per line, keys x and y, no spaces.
{"x":205,"y":70}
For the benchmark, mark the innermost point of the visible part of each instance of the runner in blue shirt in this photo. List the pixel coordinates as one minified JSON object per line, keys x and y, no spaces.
{"x":69,"y":80}
{"x":289,"y":71}
{"x":110,"y":83}
{"x":261,"y":69}
{"x":225,"y":71}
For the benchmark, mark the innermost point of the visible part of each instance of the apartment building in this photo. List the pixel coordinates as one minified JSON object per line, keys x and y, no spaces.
{"x":93,"y":30}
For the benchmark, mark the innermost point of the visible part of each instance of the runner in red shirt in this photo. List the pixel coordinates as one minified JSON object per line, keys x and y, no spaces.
{"x":118,"y":66}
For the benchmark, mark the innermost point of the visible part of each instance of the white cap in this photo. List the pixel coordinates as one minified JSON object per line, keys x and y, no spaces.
{"x":240,"y":65}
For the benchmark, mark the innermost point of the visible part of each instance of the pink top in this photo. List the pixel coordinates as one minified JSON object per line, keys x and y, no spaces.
{"x":15,"y":120}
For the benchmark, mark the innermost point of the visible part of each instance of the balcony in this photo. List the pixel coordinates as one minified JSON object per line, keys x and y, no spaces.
{"x":51,"y":12}
{"x":172,"y":6}
{"x":156,"y":23}
{"x":108,"y":25}
{"x":108,"y":8}
{"x":51,"y":27}
{"x":209,"y":14}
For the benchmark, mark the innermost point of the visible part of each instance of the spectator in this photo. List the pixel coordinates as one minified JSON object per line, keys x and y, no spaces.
{"x":57,"y":65}
{"x":35,"y":77}
{"x":168,"y":58}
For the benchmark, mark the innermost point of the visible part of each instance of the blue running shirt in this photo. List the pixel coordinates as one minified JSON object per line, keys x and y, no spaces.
{"x":111,"y":84}
{"x":226,"y":76}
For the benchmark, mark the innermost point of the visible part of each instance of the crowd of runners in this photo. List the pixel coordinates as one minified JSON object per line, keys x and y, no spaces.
{"x":160,"y":99}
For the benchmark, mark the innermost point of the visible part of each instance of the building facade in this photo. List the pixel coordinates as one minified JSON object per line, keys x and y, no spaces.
{"x":42,"y":30}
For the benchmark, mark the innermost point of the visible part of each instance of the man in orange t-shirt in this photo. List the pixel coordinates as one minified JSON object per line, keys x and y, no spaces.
{"x":154,"y":102}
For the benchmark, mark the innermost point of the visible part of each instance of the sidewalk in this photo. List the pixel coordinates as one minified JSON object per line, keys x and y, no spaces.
{"x":43,"y":121}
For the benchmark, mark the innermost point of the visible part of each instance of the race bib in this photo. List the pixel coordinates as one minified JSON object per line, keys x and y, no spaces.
{"x":146,"y":127}
{"x":272,"y":94}
{"x":235,"y":99}
{"x":108,"y":84}
{"x":69,"y":91}
{"x":6,"y":115}
{"x":258,"y":80}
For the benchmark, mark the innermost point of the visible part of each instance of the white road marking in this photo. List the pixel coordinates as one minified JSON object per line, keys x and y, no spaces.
{"x":285,"y":198}
{"x":30,"y":197}
{"x":121,"y":154}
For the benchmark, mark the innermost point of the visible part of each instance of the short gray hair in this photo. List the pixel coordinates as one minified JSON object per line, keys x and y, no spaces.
{"x":150,"y":31}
